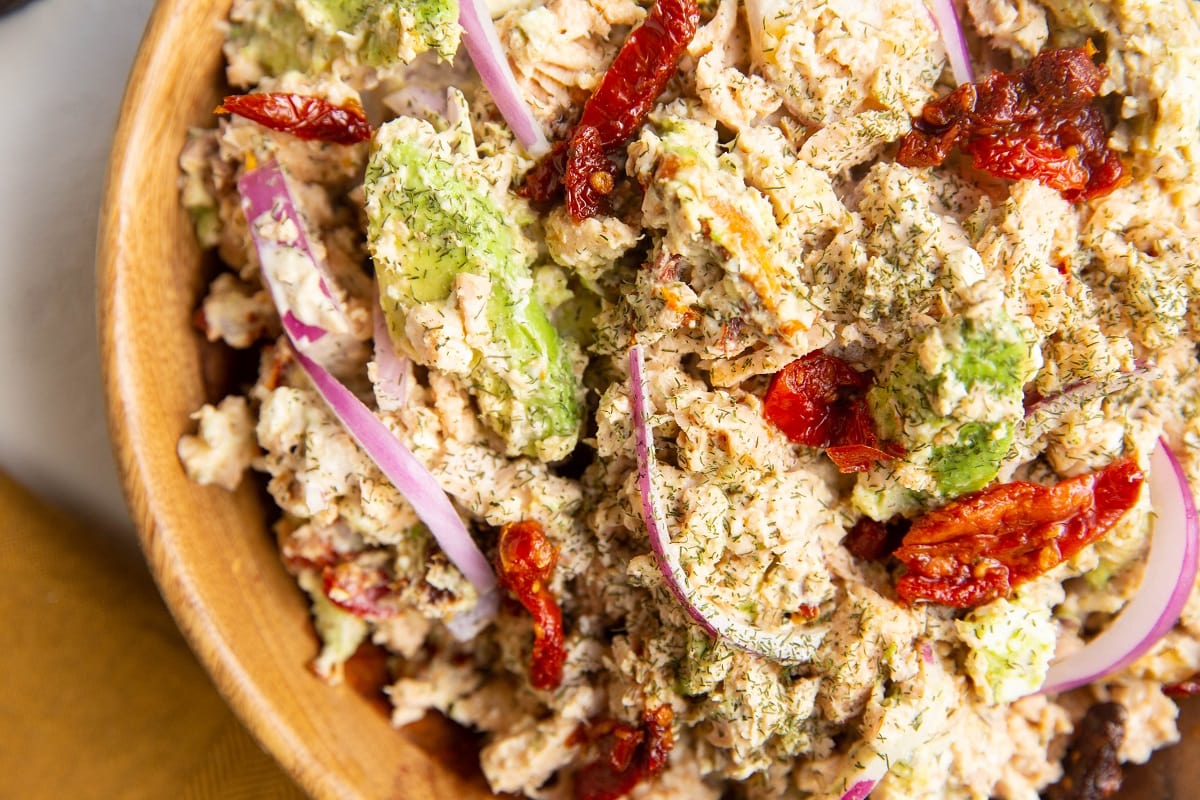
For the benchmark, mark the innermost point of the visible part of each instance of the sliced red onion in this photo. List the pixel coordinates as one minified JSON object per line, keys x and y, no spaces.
{"x":417,"y":100}
{"x":870,"y":767}
{"x":490,"y":60}
{"x":1045,"y":414}
{"x":946,"y":18}
{"x":794,"y":647}
{"x":1167,"y":582}
{"x":392,"y":371}
{"x":265,"y":191}
{"x":325,"y":330}
{"x":1083,"y":391}
{"x":860,"y":790}
{"x":305,"y":333}
{"x":420,"y":488}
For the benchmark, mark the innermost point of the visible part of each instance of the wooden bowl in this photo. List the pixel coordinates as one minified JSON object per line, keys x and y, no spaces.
{"x":210,"y":550}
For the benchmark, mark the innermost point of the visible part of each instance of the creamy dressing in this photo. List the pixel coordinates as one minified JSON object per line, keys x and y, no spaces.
{"x":762,"y":215}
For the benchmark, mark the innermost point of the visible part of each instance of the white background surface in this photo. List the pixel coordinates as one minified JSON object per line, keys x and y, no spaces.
{"x":63,"y":65}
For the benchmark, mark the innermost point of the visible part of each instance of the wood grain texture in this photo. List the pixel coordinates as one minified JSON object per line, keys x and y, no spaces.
{"x":210,"y":552}
{"x":208,"y":549}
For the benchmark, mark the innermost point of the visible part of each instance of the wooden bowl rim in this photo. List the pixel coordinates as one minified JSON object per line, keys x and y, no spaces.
{"x":124,"y":405}
{"x":305,"y":730}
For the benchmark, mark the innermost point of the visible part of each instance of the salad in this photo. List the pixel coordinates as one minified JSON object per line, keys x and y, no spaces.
{"x":733,"y":398}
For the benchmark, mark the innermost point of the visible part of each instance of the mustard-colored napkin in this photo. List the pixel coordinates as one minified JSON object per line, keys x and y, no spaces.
{"x":100,"y":696}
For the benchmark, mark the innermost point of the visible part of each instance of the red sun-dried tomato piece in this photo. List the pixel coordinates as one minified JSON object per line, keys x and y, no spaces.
{"x":1040,"y":123}
{"x":1184,"y":688}
{"x":1021,"y":156}
{"x":641,"y":70}
{"x":819,"y":400}
{"x":856,"y":446}
{"x":871,"y":540}
{"x":628,"y":755}
{"x":617,"y":108}
{"x":621,"y":744}
{"x":660,"y":737}
{"x":527,"y":559}
{"x":611,"y":776}
{"x":808,"y":398}
{"x":590,"y":174}
{"x":363,"y":586}
{"x":977,"y":548}
{"x":1091,"y":766}
{"x":305,"y":546}
{"x":544,"y":181}
{"x":856,"y":457}
{"x":303,"y":116}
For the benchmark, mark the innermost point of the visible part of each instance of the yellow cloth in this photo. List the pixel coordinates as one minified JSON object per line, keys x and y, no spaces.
{"x":100,"y":696}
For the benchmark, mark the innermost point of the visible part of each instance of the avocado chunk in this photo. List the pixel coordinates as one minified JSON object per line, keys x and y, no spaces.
{"x":952,"y":400}
{"x":340,"y":36}
{"x":456,"y":284}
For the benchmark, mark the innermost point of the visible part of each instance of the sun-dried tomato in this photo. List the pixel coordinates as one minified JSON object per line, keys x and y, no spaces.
{"x":363,"y":586}
{"x":641,"y":70}
{"x":1019,"y":156}
{"x":819,"y":400}
{"x":1092,"y":765}
{"x":856,"y":447}
{"x":660,"y":737}
{"x":806,"y":611}
{"x":527,"y":559}
{"x":1040,"y":122}
{"x":856,"y":457}
{"x":305,"y":546}
{"x":808,"y":398}
{"x":544,"y":181}
{"x":303,"y":116}
{"x":590,"y":173}
{"x":871,"y":540}
{"x":628,"y":755}
{"x":1184,"y":688}
{"x":616,"y":109}
{"x":612,"y":775}
{"x":978,"y":547}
